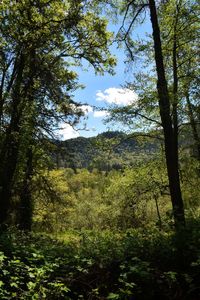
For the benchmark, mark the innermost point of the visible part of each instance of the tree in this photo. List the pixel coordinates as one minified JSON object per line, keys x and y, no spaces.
{"x":170,"y":131}
{"x":168,"y":83}
{"x":40,"y":43}
{"x":179,"y":28}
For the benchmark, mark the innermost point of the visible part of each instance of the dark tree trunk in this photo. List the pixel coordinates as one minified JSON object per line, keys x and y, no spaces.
{"x":25,"y":209}
{"x":5,"y":88}
{"x":1,"y":97}
{"x":10,"y":148}
{"x":169,"y":133}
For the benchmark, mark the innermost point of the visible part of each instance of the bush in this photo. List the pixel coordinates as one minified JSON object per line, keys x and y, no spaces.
{"x":136,"y":264}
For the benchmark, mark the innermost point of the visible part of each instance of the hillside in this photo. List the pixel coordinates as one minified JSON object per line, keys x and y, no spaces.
{"x":108,"y":150}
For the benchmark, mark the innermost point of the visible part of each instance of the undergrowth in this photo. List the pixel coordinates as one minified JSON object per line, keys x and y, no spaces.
{"x":136,"y":264}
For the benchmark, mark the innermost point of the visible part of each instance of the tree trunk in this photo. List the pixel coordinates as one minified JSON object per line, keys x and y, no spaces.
{"x":10,"y":148}
{"x":25,"y":209}
{"x":169,"y":134}
{"x":194,"y":126}
{"x":175,"y":87}
{"x":1,"y":97}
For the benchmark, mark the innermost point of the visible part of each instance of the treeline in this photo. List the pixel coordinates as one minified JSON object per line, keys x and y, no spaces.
{"x":107,"y":151}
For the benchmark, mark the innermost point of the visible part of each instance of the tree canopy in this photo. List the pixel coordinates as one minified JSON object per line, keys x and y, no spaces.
{"x":41,"y":43}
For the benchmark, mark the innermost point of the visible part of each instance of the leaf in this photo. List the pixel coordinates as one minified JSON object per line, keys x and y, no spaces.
{"x":113,"y":296}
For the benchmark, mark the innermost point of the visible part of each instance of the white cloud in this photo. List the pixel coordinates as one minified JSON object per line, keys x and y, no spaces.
{"x":117,"y":96}
{"x":67,"y":132}
{"x":100,"y":114}
{"x":86,"y":109}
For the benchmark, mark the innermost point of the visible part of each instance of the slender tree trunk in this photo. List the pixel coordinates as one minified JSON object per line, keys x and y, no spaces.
{"x":1,"y":97}
{"x":193,"y":125}
{"x":175,"y":88}
{"x":25,"y":209}
{"x":158,"y":212}
{"x":164,"y":106}
{"x":5,"y":89}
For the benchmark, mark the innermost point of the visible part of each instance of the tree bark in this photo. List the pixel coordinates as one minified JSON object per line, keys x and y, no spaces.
{"x":169,"y":133}
{"x":10,"y":147}
{"x":25,"y":209}
{"x":22,"y":91}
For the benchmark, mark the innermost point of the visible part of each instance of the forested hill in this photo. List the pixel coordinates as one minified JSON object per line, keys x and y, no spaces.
{"x":108,"y":150}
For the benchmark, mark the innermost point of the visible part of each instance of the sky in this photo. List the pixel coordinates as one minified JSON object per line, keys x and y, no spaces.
{"x":100,"y":91}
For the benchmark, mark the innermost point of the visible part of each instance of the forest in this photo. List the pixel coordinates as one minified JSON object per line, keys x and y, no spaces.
{"x":112,"y":216}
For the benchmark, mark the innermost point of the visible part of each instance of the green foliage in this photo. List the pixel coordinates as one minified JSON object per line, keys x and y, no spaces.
{"x":26,"y":269}
{"x":108,"y":227}
{"x":135,"y":264}
{"x":107,"y":151}
{"x":40,"y":43}
{"x":133,"y":197}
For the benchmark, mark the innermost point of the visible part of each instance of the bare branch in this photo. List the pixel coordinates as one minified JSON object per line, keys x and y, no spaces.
{"x":132,"y":22}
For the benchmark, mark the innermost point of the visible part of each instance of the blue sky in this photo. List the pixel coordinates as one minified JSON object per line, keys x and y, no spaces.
{"x":106,"y":88}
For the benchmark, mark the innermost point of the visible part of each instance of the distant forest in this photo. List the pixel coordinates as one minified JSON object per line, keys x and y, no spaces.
{"x":107,"y":151}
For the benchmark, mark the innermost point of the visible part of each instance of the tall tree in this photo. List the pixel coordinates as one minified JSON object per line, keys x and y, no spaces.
{"x":170,"y":132}
{"x":169,"y":45}
{"x":179,"y":29}
{"x":40,"y":43}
